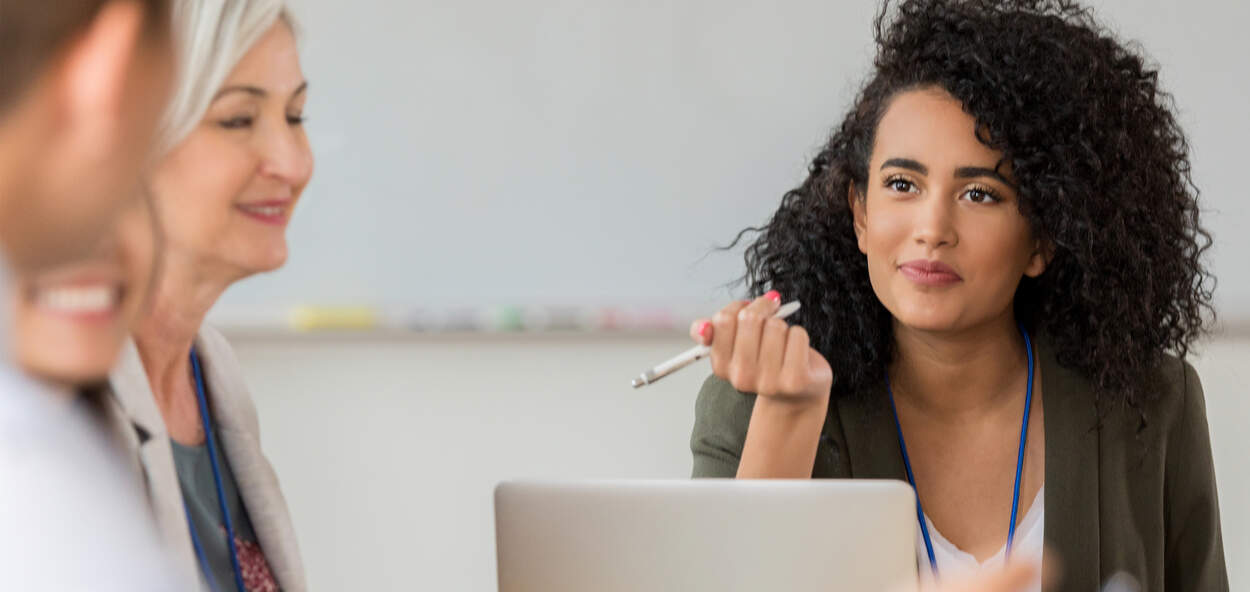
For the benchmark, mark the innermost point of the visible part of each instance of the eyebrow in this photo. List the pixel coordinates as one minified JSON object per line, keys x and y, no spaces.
{"x":906,"y":163}
{"x":967,"y":172}
{"x":972,"y":172}
{"x":255,"y":91}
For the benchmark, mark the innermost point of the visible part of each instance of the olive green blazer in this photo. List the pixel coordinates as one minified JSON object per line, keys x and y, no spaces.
{"x":1118,"y":498}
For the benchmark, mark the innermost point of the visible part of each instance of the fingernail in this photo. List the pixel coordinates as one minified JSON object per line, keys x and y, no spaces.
{"x":773,"y":295}
{"x":703,"y":329}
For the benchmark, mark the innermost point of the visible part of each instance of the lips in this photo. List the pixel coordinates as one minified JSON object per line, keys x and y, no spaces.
{"x":270,"y":212}
{"x":929,"y":273}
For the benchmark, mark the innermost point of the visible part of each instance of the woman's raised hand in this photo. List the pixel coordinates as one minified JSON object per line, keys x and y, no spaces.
{"x":759,"y":354}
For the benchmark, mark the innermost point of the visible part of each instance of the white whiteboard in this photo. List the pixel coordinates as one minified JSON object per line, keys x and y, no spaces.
{"x":481,"y":153}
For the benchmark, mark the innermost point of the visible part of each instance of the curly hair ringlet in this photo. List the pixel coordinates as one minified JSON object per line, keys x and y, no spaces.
{"x":1104,"y":180}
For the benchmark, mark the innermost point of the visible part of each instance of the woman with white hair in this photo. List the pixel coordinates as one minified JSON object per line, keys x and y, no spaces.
{"x":235,"y":162}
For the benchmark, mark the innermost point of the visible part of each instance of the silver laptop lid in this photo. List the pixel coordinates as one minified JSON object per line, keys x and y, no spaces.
{"x":713,"y":535}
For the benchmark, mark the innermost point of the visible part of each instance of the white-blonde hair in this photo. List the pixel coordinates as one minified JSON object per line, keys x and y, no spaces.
{"x":210,"y":37}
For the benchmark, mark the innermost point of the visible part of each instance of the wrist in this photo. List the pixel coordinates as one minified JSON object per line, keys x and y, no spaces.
{"x":791,"y":408}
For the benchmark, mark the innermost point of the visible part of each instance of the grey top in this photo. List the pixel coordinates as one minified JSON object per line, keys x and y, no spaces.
{"x":199,"y":493}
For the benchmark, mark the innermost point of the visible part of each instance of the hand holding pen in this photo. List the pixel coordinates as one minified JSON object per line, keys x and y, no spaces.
{"x":759,"y":353}
{"x":753,"y":348}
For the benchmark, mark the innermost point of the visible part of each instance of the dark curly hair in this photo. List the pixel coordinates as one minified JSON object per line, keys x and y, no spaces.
{"x":1103,"y":173}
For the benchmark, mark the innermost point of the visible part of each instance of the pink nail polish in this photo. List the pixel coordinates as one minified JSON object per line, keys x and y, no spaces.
{"x":703,"y":329}
{"x":773,"y":295}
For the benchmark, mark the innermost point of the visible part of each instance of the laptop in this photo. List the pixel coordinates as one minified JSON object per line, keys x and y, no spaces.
{"x":714,"y":535}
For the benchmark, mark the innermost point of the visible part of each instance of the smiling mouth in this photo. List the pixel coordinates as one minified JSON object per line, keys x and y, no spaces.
{"x":264,"y":210}
{"x":85,"y":301}
{"x":269,"y":213}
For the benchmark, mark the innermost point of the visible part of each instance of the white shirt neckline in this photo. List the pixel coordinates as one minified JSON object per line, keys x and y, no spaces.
{"x":951,"y":560}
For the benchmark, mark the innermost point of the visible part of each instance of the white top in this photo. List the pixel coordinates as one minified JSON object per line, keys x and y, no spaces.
{"x":71,"y":515}
{"x":952,"y":560}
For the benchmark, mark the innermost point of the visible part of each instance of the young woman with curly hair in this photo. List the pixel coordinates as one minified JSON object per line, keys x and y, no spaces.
{"x":999,"y":257}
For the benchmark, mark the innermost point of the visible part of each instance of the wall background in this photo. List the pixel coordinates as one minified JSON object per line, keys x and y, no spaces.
{"x":489,"y":153}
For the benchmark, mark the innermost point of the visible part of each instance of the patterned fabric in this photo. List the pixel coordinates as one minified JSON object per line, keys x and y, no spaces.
{"x":256,"y":574}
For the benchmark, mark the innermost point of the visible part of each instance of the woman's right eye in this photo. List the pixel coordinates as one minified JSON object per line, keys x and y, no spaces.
{"x":900,"y":185}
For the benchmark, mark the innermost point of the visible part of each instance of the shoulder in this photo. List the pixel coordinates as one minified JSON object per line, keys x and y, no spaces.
{"x":1168,"y":422}
{"x":212,"y":343}
{"x":215,"y":352}
{"x":1167,"y":395}
{"x":1180,"y":410}
{"x":1175,"y":399}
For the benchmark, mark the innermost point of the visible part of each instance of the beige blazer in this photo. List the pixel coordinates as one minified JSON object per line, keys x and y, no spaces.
{"x":138,"y":423}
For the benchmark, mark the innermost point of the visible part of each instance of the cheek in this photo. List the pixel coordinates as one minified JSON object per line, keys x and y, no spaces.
{"x":139,"y":262}
{"x":197,"y":185}
{"x":999,"y":249}
{"x":885,"y":229}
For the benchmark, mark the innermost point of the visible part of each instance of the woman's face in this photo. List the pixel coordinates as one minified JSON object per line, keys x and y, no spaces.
{"x":940,"y":224}
{"x":227,"y":192}
{"x":70,"y":322}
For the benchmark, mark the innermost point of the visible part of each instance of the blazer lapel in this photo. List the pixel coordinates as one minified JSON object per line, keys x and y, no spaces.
{"x":872,"y":450}
{"x":258,"y":484}
{"x":1072,"y":496}
{"x":137,"y":419}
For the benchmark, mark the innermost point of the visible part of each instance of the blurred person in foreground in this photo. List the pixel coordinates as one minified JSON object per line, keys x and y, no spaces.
{"x":80,"y":81}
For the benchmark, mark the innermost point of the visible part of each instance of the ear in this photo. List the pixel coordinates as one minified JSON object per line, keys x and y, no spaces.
{"x":1043,"y":254}
{"x":94,"y":76}
{"x":859,"y":214}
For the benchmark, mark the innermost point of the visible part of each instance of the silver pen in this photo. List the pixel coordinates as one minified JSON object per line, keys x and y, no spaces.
{"x":697,"y":353}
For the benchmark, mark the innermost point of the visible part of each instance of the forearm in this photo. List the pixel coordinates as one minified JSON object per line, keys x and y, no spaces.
{"x":782,"y":438}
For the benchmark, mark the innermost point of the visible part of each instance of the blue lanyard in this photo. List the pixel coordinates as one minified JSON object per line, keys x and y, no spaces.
{"x":221,"y":493}
{"x":1015,"y":492}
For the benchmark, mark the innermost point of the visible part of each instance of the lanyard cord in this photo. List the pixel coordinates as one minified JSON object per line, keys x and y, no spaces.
{"x":221,"y":494}
{"x":1015,"y":492}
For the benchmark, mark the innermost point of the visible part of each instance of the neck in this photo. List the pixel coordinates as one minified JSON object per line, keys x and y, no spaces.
{"x":179,"y":303}
{"x":956,"y":375}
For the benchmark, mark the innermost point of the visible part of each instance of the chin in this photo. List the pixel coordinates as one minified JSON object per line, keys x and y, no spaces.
{"x":271,"y":265}
{"x":927,"y":318}
{"x":268,"y":259}
{"x":927,"y":325}
{"x":73,"y":369}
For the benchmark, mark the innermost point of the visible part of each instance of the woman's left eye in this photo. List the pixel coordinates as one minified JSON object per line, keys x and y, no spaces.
{"x":980,"y":195}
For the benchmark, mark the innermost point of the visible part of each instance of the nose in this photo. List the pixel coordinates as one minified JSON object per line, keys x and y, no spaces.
{"x":286,"y":155}
{"x":934,"y":223}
